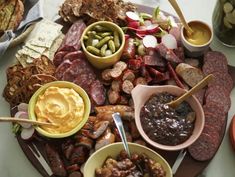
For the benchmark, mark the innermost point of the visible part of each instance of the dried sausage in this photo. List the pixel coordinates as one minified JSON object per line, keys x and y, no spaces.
{"x":128,"y":75}
{"x":59,"y":57}
{"x":127,"y":86}
{"x":55,"y":161}
{"x":113,"y":97}
{"x":97,"y":92}
{"x":62,"y":68}
{"x":129,"y":50}
{"x":72,"y":40}
{"x":74,"y":55}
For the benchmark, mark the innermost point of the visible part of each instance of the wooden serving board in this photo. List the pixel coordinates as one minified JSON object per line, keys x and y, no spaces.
{"x":188,"y":168}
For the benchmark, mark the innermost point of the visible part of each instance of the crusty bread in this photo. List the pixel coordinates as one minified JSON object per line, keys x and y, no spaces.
{"x":11,"y":14}
{"x":17,"y":15}
{"x":191,"y":75}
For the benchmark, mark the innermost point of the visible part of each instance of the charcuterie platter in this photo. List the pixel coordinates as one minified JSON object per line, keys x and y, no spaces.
{"x":109,"y":88}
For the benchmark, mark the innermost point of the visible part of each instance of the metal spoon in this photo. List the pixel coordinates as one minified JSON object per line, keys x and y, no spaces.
{"x":118,"y":121}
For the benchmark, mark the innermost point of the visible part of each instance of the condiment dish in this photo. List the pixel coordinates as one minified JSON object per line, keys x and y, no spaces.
{"x":97,"y":159}
{"x":142,"y":93}
{"x":196,"y":48}
{"x":59,"y":84}
{"x":104,"y":62}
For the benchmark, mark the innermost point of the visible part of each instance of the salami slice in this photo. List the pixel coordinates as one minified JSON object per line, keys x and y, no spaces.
{"x":222,"y":79}
{"x":72,"y":40}
{"x":85,"y":80}
{"x":220,"y":96}
{"x":74,"y":55}
{"x":210,"y":130}
{"x":97,"y":92}
{"x":204,"y":148}
{"x":214,"y":108}
{"x":73,"y":71}
{"x":214,"y":120}
{"x":200,"y":96}
{"x":58,"y":58}
{"x":62,"y":68}
{"x":214,"y":61}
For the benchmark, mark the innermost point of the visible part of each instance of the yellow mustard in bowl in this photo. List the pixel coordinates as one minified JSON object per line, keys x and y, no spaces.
{"x":61,"y":106}
{"x":201,"y":33}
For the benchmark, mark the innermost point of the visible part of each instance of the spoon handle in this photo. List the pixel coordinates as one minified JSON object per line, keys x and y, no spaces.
{"x":10,"y":119}
{"x":180,"y":14}
{"x":193,"y":90}
{"x":118,"y":121}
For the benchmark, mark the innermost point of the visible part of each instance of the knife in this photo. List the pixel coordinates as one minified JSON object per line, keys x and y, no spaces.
{"x":178,"y":161}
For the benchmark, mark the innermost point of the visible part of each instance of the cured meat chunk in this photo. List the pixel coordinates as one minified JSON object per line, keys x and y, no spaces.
{"x":200,"y":95}
{"x":97,"y":92}
{"x":62,"y":68}
{"x":214,"y":61}
{"x":55,"y":161}
{"x":74,"y":55}
{"x":73,"y":71}
{"x":59,"y":57}
{"x":204,"y":148}
{"x":84,"y":80}
{"x":72,"y":40}
{"x":168,"y":54}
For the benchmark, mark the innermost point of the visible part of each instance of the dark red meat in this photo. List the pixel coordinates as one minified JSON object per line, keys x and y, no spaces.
{"x":55,"y":161}
{"x":62,"y":68}
{"x":97,"y":92}
{"x":72,"y":40}
{"x":59,"y":57}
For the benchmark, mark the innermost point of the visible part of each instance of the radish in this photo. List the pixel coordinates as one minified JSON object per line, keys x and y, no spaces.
{"x":23,"y":115}
{"x":134,"y":24}
{"x":27,"y":133}
{"x":132,"y":16}
{"x":169,"y":41}
{"x":22,"y":107}
{"x":153,"y":28}
{"x":147,"y":23}
{"x":150,"y":41}
{"x":172,"y":21}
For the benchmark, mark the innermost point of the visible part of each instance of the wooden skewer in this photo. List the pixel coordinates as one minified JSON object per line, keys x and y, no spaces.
{"x":180,"y":14}
{"x":34,"y":122}
{"x":189,"y":93}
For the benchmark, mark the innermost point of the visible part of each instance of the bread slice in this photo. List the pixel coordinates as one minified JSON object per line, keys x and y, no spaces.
{"x":191,"y":75}
{"x":17,"y":16}
{"x":6,"y":13}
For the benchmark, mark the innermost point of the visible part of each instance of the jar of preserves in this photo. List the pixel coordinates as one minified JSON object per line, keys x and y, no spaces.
{"x":223,"y":21}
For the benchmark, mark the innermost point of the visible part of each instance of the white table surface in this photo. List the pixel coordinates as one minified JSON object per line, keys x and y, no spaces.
{"x":13,"y":162}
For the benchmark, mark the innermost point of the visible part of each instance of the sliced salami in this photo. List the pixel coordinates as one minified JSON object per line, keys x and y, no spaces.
{"x":97,"y":92}
{"x":74,"y":55}
{"x":222,"y":79}
{"x":62,"y":68}
{"x":72,"y":40}
{"x":220,"y":96}
{"x":204,"y":148}
{"x":73,"y":71}
{"x":84,"y":80}
{"x":214,"y":61}
{"x":214,"y":120}
{"x":59,"y":57}
{"x":211,"y":130}
{"x":200,"y":96}
{"x":214,"y":108}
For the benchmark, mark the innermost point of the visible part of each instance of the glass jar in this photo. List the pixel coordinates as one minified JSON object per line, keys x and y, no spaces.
{"x":223,"y":21}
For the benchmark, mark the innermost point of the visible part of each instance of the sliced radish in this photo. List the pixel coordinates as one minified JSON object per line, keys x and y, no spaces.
{"x":169,"y":41}
{"x":172,"y":21}
{"x":150,"y":41}
{"x":175,"y":31}
{"x":147,"y":23}
{"x":23,"y":115}
{"x":23,"y":107}
{"x":27,"y":133}
{"x":134,"y":24}
{"x":162,"y":16}
{"x":153,"y":28}
{"x":132,"y":16}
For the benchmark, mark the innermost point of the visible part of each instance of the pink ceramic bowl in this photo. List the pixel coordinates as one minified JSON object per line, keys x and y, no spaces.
{"x":142,"y":93}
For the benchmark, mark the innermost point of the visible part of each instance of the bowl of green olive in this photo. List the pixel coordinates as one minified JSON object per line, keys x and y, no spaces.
{"x":103,"y":43}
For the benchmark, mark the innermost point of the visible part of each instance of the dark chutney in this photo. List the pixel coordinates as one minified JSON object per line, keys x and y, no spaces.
{"x":164,"y":124}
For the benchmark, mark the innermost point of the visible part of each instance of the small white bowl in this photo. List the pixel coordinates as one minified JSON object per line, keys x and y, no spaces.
{"x":193,"y":50}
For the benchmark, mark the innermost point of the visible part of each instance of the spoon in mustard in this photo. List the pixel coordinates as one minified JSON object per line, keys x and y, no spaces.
{"x":204,"y":82}
{"x":180,"y":14}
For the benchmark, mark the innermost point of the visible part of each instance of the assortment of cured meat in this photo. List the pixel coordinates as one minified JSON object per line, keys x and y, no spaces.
{"x":216,"y":104}
{"x":73,"y":66}
{"x":154,"y":66}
